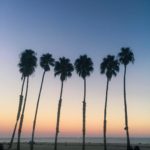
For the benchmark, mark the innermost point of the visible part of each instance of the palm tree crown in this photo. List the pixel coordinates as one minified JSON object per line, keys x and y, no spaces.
{"x":28,"y":62}
{"x":64,"y":68}
{"x":126,"y":56}
{"x":109,"y":66}
{"x":46,"y":61}
{"x":83,"y":66}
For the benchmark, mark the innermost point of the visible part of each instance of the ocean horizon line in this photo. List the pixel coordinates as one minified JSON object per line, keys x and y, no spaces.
{"x":117,"y":140}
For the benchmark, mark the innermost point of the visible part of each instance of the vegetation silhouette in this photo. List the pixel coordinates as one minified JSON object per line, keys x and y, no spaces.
{"x":125,"y":57}
{"x":19,"y":106}
{"x":46,"y":61}
{"x":84,"y":67}
{"x":109,"y":67}
{"x":27,"y":64}
{"x":64,"y":69}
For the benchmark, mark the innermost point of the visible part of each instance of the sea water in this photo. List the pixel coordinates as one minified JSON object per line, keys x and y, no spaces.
{"x":119,"y":140}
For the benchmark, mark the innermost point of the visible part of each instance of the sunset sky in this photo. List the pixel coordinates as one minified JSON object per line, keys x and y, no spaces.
{"x":71,"y":28}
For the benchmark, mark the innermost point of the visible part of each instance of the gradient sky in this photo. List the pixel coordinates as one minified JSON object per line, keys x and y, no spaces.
{"x":70,"y":28}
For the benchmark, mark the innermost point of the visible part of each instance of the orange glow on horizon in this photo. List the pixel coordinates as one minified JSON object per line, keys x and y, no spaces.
{"x":73,"y":130}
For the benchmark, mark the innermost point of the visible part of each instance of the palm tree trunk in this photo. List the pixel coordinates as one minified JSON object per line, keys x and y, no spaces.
{"x":84,"y":115}
{"x":58,"y":117}
{"x":18,"y":114}
{"x":126,"y":113}
{"x":105,"y":115}
{"x":36,"y":111}
{"x":22,"y":116}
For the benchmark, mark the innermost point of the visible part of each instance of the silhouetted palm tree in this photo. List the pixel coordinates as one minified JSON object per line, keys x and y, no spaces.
{"x":27,"y":65}
{"x":46,"y":61}
{"x":64,"y":69}
{"x":84,"y":67}
{"x":109,"y":67}
{"x":19,"y":110}
{"x":125,"y":57}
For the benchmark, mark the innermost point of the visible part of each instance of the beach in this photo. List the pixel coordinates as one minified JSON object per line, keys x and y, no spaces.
{"x":77,"y":146}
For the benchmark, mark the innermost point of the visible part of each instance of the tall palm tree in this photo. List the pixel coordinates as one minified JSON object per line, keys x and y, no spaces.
{"x":125,"y":57}
{"x":84,"y":67}
{"x":19,"y":110}
{"x":109,"y":67}
{"x":27,"y":65}
{"x":46,"y":61}
{"x":64,"y":69}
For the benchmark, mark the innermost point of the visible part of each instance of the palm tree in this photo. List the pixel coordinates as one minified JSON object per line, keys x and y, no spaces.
{"x":125,"y":57}
{"x":109,"y":67}
{"x":64,"y":69}
{"x":19,"y":110}
{"x":46,"y":61}
{"x":84,"y":67}
{"x":27,"y":65}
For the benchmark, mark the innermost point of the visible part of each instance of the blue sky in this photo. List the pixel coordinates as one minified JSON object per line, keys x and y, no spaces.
{"x":70,"y":28}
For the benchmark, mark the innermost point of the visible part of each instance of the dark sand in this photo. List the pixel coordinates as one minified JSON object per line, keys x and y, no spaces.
{"x":72,"y":146}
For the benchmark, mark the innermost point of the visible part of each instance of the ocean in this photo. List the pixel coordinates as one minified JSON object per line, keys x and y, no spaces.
{"x":118,"y":140}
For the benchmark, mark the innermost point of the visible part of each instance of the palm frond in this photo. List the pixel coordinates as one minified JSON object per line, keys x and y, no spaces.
{"x":109,"y":66}
{"x":46,"y":61}
{"x":28,"y":62}
{"x":126,"y":56}
{"x":63,"y":68}
{"x":84,"y":66}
